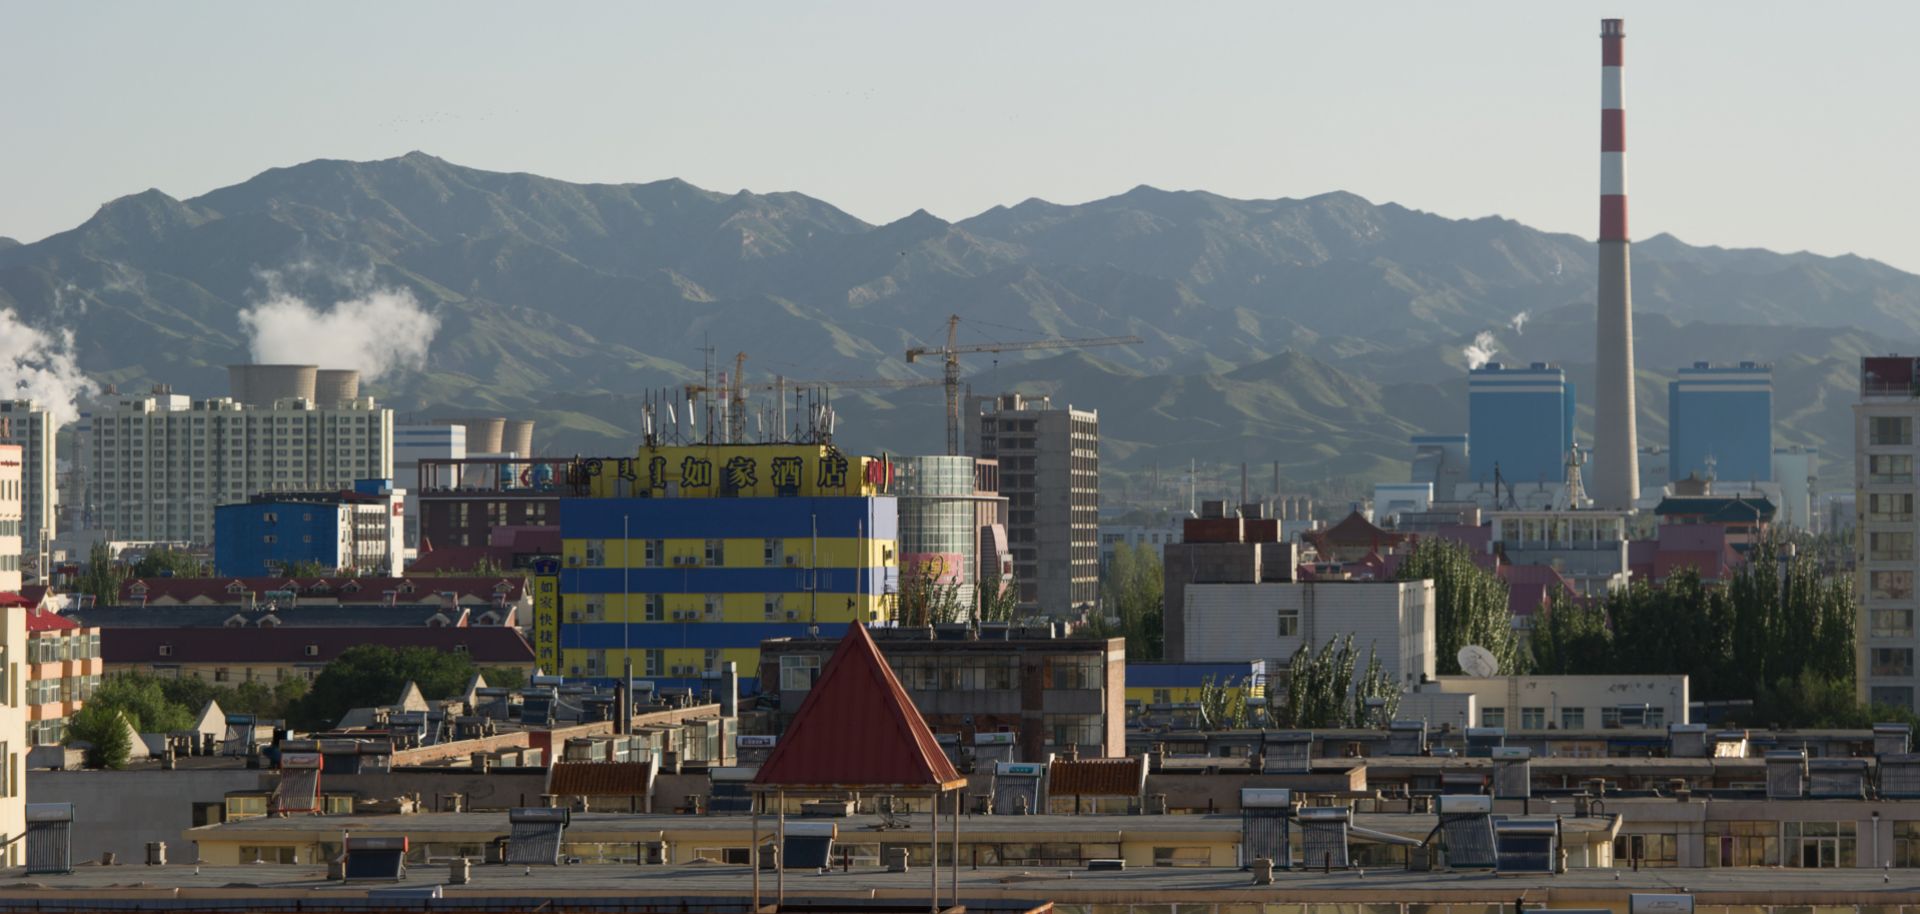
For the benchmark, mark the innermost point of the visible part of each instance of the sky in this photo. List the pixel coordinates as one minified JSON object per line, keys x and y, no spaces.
{"x":1750,"y":124}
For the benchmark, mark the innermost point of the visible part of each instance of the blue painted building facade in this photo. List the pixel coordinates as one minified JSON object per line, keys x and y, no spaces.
{"x":1723,"y":414}
{"x":1520,"y":419}
{"x":339,"y":531}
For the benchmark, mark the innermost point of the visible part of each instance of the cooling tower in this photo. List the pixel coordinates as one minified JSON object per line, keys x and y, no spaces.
{"x":519,"y":437}
{"x":334,"y":386}
{"x":1616,"y":450}
{"x":485,"y":436}
{"x":261,"y":385}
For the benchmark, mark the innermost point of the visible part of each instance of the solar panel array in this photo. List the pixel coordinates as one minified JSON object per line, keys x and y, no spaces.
{"x":536,"y":835}
{"x":1323,"y":836}
{"x":376,"y":859}
{"x":49,"y":838}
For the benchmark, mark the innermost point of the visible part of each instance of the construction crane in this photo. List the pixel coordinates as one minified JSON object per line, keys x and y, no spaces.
{"x":952,"y":351}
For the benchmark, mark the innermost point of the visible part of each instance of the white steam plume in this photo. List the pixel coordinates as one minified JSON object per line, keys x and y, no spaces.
{"x":376,"y":331}
{"x":41,"y":366}
{"x":1519,"y":321}
{"x":1481,"y":350}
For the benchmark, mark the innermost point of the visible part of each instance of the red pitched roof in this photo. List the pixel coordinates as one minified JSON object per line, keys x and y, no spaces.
{"x":44,"y":620}
{"x":857,"y":728}
{"x":288,"y":645}
{"x":222,"y":590}
{"x":8,"y":598}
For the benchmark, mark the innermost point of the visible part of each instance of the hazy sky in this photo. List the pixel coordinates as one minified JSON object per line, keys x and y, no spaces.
{"x":1749,"y":124}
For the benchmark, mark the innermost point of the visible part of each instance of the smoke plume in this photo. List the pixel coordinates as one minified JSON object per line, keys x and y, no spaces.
{"x":1519,"y":321}
{"x":1481,"y":350}
{"x":41,"y":366}
{"x":376,"y":330}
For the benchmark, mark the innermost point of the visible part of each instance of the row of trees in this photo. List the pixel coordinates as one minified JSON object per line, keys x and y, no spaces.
{"x":1779,"y":630}
{"x":363,"y":676}
{"x":1132,"y":588}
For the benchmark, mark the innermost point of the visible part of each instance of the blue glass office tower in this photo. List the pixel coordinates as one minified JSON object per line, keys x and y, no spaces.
{"x":1723,"y":412}
{"x":1520,"y":419}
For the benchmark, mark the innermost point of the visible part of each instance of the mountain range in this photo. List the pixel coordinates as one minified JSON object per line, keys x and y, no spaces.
{"x":1317,"y":333}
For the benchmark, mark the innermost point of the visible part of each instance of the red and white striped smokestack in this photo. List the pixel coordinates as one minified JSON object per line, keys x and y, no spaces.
{"x":1613,"y":133}
{"x":1616,"y":449}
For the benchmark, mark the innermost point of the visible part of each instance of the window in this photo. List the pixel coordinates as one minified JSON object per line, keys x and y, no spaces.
{"x":655,"y":550}
{"x":1890,"y":547}
{"x":770,"y":552}
{"x":1289,"y":623}
{"x":1892,"y":661}
{"x":1896,"y":430}
{"x":1890,"y":585}
{"x":1889,"y":468}
{"x":1892,"y":506}
{"x":711,"y":609}
{"x":1069,"y":671}
{"x":1493,"y":717}
{"x":222,"y":675}
{"x":716,"y":552}
{"x":1650,"y":850}
{"x":596,"y":553}
{"x":1817,"y":845}
{"x":654,"y":612}
{"x":1533,"y":718}
{"x":656,"y":662}
{"x":313,"y":650}
{"x":1072,"y":730}
{"x":1182,"y":856}
{"x":798,"y":673}
{"x":1744,"y":843}
{"x":1892,"y":623}
{"x":1892,"y":696}
{"x":776,"y":611}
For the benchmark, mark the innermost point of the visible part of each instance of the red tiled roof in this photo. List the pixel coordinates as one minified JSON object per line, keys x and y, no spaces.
{"x":1097,"y":777}
{"x":13,"y":599}
{"x":43,"y":620}
{"x":599,"y":779}
{"x":286,"y":645}
{"x":857,"y":728}
{"x":348,"y":589}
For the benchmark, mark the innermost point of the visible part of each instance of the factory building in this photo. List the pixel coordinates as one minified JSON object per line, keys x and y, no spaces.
{"x":29,"y":425}
{"x":1050,"y":473}
{"x":343,"y":532}
{"x":414,"y":443}
{"x":1588,"y":546}
{"x":160,"y":463}
{"x":1520,"y":420}
{"x":1720,"y":423}
{"x":950,"y":523}
{"x":1796,"y":470}
{"x":684,"y":558}
{"x":1883,"y":422}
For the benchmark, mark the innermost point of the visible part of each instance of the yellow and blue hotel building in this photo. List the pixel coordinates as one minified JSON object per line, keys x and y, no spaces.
{"x":686,"y":557}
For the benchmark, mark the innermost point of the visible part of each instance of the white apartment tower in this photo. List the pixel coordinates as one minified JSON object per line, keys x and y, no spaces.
{"x":29,"y":425}
{"x":1050,"y":476}
{"x":12,"y":490}
{"x":159,"y":464}
{"x":1884,"y":538}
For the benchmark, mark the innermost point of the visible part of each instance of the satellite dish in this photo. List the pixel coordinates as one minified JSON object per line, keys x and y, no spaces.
{"x":1478,"y":662}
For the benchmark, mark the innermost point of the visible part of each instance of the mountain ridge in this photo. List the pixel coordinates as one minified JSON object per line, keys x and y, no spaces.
{"x":1262,"y":318}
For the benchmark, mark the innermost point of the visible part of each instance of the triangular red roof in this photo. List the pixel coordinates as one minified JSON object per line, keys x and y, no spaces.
{"x":858,"y":729}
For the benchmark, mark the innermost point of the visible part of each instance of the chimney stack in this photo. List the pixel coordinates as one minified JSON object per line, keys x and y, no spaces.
{"x":1616,"y":476}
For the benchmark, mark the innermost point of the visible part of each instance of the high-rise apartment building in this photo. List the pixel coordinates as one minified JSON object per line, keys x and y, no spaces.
{"x":11,"y":524}
{"x":29,"y":425}
{"x":1521,"y":420}
{"x":682,"y":559}
{"x":1883,"y":422}
{"x":159,"y":464}
{"x":1050,"y":475}
{"x":1720,"y":423}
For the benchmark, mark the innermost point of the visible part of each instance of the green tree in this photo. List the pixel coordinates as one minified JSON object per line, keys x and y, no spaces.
{"x":1223,"y":704}
{"x":144,"y":703}
{"x":307,"y":568}
{"x":372,"y":675}
{"x":1319,"y":687}
{"x":505,"y":677}
{"x":1570,"y":636}
{"x":998,"y":601}
{"x":1470,"y":604}
{"x":100,"y":578}
{"x":1131,"y":588}
{"x":924,"y":599}
{"x":169,"y":563}
{"x":104,"y":731}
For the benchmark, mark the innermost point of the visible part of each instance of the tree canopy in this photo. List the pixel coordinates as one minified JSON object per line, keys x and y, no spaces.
{"x":1470,"y":605}
{"x":372,"y":675}
{"x":1131,"y":590}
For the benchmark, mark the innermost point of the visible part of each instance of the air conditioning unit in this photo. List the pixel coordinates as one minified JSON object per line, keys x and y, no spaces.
{"x":573,"y":561}
{"x":793,"y":615}
{"x":793,"y":561}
